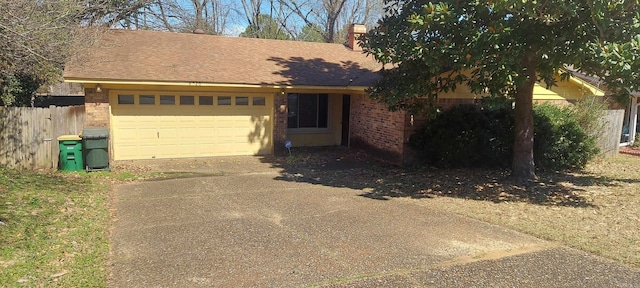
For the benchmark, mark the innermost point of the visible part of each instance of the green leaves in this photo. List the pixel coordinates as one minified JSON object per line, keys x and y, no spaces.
{"x":504,"y":46}
{"x":38,"y":37}
{"x":265,"y":27}
{"x":492,"y":39}
{"x":18,"y":89}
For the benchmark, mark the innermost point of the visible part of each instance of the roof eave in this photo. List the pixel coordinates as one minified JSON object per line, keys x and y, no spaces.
{"x":220,"y":85}
{"x":593,"y":89}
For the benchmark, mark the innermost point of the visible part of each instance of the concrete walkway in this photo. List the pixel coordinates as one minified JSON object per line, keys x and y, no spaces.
{"x":251,"y":230}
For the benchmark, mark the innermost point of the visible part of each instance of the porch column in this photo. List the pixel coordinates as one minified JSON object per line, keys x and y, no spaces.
{"x":633,"y":120}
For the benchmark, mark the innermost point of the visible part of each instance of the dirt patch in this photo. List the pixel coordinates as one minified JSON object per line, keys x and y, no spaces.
{"x":204,"y":165}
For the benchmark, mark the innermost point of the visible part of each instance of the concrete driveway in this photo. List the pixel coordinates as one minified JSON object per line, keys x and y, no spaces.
{"x":255,"y":230}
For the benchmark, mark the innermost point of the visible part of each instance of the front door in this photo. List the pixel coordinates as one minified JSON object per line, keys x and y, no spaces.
{"x":346,"y":111}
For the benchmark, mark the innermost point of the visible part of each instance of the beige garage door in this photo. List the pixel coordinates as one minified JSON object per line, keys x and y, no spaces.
{"x":177,"y":125}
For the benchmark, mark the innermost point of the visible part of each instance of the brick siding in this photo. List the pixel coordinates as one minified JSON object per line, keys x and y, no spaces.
{"x":279,"y":123}
{"x":447,"y":103}
{"x":411,"y":124}
{"x":97,"y":108}
{"x":376,"y":129}
{"x":559,"y":103}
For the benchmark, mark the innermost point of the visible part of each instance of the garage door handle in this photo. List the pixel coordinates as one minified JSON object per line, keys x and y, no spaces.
{"x":158,"y":135}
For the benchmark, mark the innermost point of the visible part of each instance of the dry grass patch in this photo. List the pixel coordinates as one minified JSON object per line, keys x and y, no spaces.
{"x":607,"y":226}
{"x":597,"y":210}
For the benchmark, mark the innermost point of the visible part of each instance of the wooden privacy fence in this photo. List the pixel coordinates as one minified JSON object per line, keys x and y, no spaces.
{"x":609,"y":141}
{"x":28,"y":136}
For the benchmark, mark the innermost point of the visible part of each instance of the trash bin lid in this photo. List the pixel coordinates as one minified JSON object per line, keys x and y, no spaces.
{"x":69,"y":137}
{"x":95,"y":133}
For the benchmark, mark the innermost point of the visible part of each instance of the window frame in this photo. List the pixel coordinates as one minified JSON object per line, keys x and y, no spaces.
{"x":262,"y":102}
{"x":124,"y":98}
{"x":191,"y":102}
{"x":146,"y":96}
{"x":166,"y":97}
{"x":121,"y":97}
{"x":237,"y":100}
{"x":316,"y":129}
{"x":222,"y":100}
{"x":212,"y":98}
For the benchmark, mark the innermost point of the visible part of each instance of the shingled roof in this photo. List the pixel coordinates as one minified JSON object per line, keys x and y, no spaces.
{"x":593,"y":80}
{"x":152,"y":56}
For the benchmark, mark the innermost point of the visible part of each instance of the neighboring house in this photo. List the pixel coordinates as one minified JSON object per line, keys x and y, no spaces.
{"x":630,"y":125}
{"x":171,"y":95}
{"x":61,"y":94}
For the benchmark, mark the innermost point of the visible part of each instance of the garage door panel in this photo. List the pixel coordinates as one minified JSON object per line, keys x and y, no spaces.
{"x":135,"y":151}
{"x":191,"y":131}
{"x":174,"y":131}
{"x":188,"y":150}
{"x":167,"y":133}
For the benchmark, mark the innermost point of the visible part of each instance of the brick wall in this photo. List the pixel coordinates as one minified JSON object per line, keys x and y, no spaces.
{"x":411,"y":124}
{"x":553,"y":102}
{"x":446,"y":103}
{"x":97,"y":108}
{"x":374,"y":128}
{"x":279,"y":123}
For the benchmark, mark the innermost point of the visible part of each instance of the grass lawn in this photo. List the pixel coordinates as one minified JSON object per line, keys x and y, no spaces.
{"x":53,"y":229}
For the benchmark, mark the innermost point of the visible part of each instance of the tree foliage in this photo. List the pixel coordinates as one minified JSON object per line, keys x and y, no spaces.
{"x":37,"y":37}
{"x":265,"y":27}
{"x":311,"y":33}
{"x":28,"y":48}
{"x":503,"y":47}
{"x":18,"y":89}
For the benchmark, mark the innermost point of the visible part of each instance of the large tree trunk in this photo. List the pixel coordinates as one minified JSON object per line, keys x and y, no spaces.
{"x":523,"y":167}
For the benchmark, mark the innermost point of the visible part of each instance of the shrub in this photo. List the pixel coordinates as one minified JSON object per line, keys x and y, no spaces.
{"x":589,"y":111}
{"x":560,"y":142}
{"x":466,"y":136}
{"x":470,"y":136}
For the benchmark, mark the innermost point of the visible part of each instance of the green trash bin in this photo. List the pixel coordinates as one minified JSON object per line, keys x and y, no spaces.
{"x":70,"y":153}
{"x":95,"y":142}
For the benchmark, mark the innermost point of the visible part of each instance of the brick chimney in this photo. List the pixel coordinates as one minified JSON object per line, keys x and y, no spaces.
{"x":355,"y":31}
